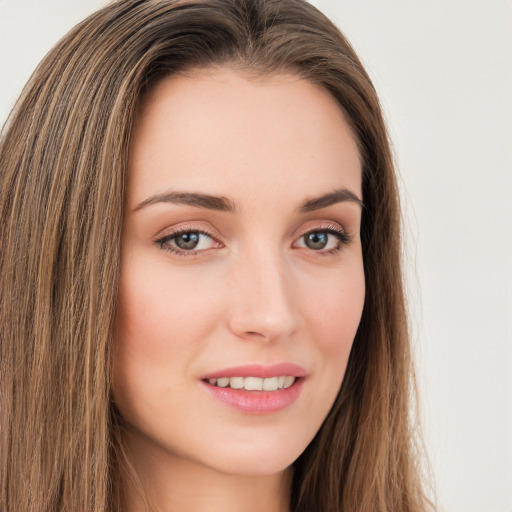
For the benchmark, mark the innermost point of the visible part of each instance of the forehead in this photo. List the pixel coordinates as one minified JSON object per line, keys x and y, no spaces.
{"x":226,"y":133}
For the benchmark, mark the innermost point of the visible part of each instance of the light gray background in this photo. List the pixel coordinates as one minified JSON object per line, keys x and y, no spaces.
{"x":443,"y":69}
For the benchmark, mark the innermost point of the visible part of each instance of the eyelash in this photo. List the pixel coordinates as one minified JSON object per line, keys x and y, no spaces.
{"x":181,"y":231}
{"x":344,"y":239}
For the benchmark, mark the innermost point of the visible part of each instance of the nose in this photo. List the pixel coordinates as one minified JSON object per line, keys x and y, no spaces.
{"x":263,"y":302}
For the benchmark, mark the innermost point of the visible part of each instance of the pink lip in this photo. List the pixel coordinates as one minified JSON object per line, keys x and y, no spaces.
{"x":258,"y":370}
{"x":257,"y":402}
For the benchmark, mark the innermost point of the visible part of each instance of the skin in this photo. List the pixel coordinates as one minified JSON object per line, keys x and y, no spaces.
{"x":254,"y":292}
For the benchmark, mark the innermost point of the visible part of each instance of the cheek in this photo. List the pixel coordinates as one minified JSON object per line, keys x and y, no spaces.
{"x":158,"y":332}
{"x":158,"y":311}
{"x":334,"y":311}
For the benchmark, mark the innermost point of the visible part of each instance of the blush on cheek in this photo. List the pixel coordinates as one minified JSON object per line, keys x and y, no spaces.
{"x":162,"y":314}
{"x":336,"y":312}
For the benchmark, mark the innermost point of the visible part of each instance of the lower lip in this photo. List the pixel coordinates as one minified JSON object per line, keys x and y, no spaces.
{"x":257,"y":402}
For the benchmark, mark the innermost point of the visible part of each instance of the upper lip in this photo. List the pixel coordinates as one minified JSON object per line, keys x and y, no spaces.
{"x":258,"y":370}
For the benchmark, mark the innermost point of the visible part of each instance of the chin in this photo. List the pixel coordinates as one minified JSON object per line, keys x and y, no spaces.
{"x":256,"y":460}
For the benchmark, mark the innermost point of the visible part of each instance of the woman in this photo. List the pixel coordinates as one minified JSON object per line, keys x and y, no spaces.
{"x":201,"y":297}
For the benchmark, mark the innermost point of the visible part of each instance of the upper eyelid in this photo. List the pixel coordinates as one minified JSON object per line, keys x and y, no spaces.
{"x":168,"y":234}
{"x":332,"y":231}
{"x":185,"y":228}
{"x":322,"y":226}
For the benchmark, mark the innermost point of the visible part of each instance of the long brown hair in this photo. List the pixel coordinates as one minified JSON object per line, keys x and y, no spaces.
{"x":63,"y":159}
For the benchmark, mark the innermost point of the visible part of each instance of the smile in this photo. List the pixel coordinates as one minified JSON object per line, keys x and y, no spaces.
{"x":256,"y":388}
{"x":254,"y":383}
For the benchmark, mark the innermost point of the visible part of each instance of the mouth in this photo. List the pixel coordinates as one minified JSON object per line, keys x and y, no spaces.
{"x":257,"y":389}
{"x":254,"y":383}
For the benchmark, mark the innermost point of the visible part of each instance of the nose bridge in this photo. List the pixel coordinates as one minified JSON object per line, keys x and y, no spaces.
{"x":262,"y":295}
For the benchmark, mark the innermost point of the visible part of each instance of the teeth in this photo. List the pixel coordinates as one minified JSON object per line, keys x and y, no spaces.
{"x":254,"y":383}
{"x":223,"y":382}
{"x":236,"y":382}
{"x":288,"y":381}
{"x":270,"y":384}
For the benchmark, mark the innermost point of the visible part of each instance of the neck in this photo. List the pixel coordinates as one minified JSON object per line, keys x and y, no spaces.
{"x":168,"y":483}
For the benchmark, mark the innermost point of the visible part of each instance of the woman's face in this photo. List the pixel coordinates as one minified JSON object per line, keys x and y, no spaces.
{"x":241,"y":270}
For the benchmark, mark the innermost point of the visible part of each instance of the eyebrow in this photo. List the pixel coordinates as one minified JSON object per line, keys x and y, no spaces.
{"x":224,"y":204}
{"x":338,"y":196}
{"x":207,"y":201}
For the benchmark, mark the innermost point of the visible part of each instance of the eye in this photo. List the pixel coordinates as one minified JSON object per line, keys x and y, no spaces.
{"x":323,"y":240}
{"x":185,"y":242}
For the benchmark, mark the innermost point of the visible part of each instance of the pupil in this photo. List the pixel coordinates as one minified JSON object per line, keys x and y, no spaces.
{"x":187,"y":240}
{"x":317,"y":240}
